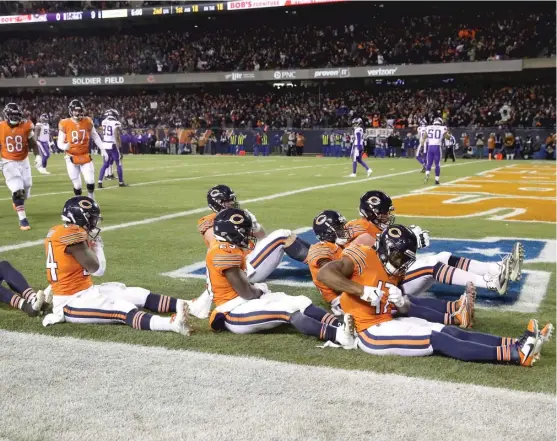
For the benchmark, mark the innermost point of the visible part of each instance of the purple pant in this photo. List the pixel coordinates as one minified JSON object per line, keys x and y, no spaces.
{"x":44,"y":151}
{"x":434,"y":154}
{"x":113,"y":157}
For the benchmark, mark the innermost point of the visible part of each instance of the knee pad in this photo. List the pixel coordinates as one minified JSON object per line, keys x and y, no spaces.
{"x":18,"y":195}
{"x":90,"y":188}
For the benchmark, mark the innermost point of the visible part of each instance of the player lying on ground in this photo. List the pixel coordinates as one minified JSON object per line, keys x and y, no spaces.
{"x":245,"y":308}
{"x":17,"y":137}
{"x":21,"y":296}
{"x":262,"y":260}
{"x":369,"y":280}
{"x":75,"y":252}
{"x":377,"y":210}
{"x":330,"y":228}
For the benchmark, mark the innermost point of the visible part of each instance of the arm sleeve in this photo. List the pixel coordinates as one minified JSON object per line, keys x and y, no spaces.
{"x":99,"y":251}
{"x":96,"y":138}
{"x":62,"y":144}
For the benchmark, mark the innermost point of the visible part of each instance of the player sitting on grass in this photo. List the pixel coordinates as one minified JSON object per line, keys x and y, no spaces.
{"x":330,"y":228}
{"x":75,"y":252}
{"x":376,"y":209}
{"x":21,"y":296}
{"x":246,"y":308}
{"x":369,"y":279}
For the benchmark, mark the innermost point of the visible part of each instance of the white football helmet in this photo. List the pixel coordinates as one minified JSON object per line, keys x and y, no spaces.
{"x":437,"y":122}
{"x":357,"y":122}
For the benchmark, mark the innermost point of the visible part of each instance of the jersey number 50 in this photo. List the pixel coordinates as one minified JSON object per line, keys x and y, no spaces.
{"x":435,"y":134}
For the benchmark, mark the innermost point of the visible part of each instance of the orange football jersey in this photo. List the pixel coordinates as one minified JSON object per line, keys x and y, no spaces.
{"x":319,"y":254}
{"x":361,"y":226}
{"x":206,"y":223}
{"x":78,"y":135}
{"x":368,"y":271}
{"x":220,"y":257}
{"x":15,"y":140}
{"x":64,"y":273}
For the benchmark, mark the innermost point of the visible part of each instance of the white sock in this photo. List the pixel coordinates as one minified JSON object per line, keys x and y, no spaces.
{"x":159,"y":323}
{"x":482,"y":268}
{"x":436,"y":178}
{"x":461,"y":277}
{"x":91,"y":195}
{"x":21,"y":212}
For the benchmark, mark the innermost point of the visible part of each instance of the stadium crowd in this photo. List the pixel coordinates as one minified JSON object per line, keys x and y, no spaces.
{"x":280,"y":45}
{"x":520,"y":106}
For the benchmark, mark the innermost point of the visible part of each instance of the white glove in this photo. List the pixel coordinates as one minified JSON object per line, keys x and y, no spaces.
{"x":372,"y":295}
{"x":38,"y":161}
{"x":262,"y":287}
{"x":97,"y":243}
{"x":421,"y":235}
{"x":256,"y":227}
{"x":104,"y":154}
{"x":396,"y":297}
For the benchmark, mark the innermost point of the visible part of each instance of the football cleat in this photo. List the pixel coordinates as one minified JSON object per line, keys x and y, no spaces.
{"x":465,"y":314}
{"x":100,"y":185}
{"x":352,"y":175}
{"x":180,"y":320}
{"x":526,"y":351}
{"x":547,"y":332}
{"x":47,"y":300}
{"x":516,"y":262}
{"x":426,"y":178}
{"x":500,"y":282}
{"x":24,"y":225}
{"x":123,"y":184}
{"x":346,"y":334}
{"x":43,"y":171}
{"x":28,"y":309}
{"x":437,"y":182}
{"x":369,"y":172}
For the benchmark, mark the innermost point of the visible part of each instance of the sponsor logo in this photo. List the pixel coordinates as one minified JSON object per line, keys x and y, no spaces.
{"x":238,"y":76}
{"x":254,"y":4}
{"x":285,"y":75}
{"x":380,"y":72}
{"x":342,"y":72}
{"x":42,"y":82}
{"x":90,"y":81}
{"x":523,"y":296}
{"x":151,"y":79}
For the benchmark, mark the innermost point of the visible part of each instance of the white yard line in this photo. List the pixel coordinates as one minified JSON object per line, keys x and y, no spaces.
{"x":87,"y":388}
{"x":147,"y":221}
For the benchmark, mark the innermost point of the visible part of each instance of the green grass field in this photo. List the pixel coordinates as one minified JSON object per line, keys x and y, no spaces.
{"x":138,"y":253}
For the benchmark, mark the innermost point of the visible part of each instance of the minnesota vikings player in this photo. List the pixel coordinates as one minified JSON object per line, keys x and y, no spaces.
{"x":435,"y":135}
{"x":422,"y":146}
{"x":111,"y":145}
{"x":42,"y":134}
{"x":358,"y":148}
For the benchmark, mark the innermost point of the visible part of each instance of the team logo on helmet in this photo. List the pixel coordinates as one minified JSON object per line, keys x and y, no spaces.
{"x":395,"y":232}
{"x":374,"y":200}
{"x":84,"y":203}
{"x":321,"y":219}
{"x":236,"y":219}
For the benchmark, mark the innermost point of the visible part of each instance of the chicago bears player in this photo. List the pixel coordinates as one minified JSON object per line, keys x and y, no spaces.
{"x":369,"y":279}
{"x":42,"y":134}
{"x":17,"y":137}
{"x":331,"y":229}
{"x":376,"y":209}
{"x":358,"y":148}
{"x":245,"y":308}
{"x":74,"y":134}
{"x":112,"y":144}
{"x":74,"y":253}
{"x":21,"y":296}
{"x":435,"y":135}
{"x":261,"y":260}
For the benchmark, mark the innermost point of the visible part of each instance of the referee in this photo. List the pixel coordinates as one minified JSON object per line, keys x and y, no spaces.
{"x":450,"y":147}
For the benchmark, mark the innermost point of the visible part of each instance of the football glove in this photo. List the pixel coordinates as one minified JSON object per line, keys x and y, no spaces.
{"x":262,"y":287}
{"x":372,"y":295}
{"x":256,"y":227}
{"x":97,"y":243}
{"x":422,"y":236}
{"x":396,"y":297}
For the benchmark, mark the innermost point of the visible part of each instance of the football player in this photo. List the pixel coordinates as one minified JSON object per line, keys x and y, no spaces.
{"x":246,"y":308}
{"x":435,"y":135}
{"x":42,"y":134}
{"x":369,"y":279}
{"x":358,"y":148}
{"x":21,"y":296}
{"x":74,"y":134}
{"x":74,"y":253}
{"x":17,"y":137}
{"x":112,"y":144}
{"x":330,"y":228}
{"x":422,"y":146}
{"x":376,"y":209}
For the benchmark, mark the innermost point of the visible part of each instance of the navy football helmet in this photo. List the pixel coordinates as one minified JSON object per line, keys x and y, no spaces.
{"x":221,"y":197}
{"x":76,"y":109}
{"x":235,"y":226}
{"x":330,"y":226}
{"x":84,"y":212}
{"x":13,"y":114}
{"x":396,"y":248}
{"x":377,"y":208}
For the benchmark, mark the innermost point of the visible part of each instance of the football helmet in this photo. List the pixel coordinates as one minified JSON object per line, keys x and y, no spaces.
{"x":423,"y":122}
{"x":330,"y":226}
{"x":437,"y":122}
{"x":13,"y":114}
{"x":235,"y":226}
{"x":111,"y":113}
{"x":396,"y":248}
{"x":377,"y":208}
{"x":357,"y":122}
{"x":44,"y":118}
{"x":76,"y":109}
{"x":84,"y":212}
{"x":221,"y":197}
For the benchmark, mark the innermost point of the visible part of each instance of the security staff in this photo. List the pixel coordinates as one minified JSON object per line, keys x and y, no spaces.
{"x":450,"y":146}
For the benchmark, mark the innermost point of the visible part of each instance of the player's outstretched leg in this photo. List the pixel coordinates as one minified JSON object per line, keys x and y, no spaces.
{"x":31,"y":308}
{"x":437,"y":159}
{"x":16,"y":282}
{"x":102,"y":171}
{"x":119,"y":170}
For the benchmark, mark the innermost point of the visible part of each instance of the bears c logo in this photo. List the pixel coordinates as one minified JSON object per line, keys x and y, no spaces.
{"x":374,"y":200}
{"x":395,"y":232}
{"x":84,"y":203}
{"x":321,"y":219}
{"x":236,"y":219}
